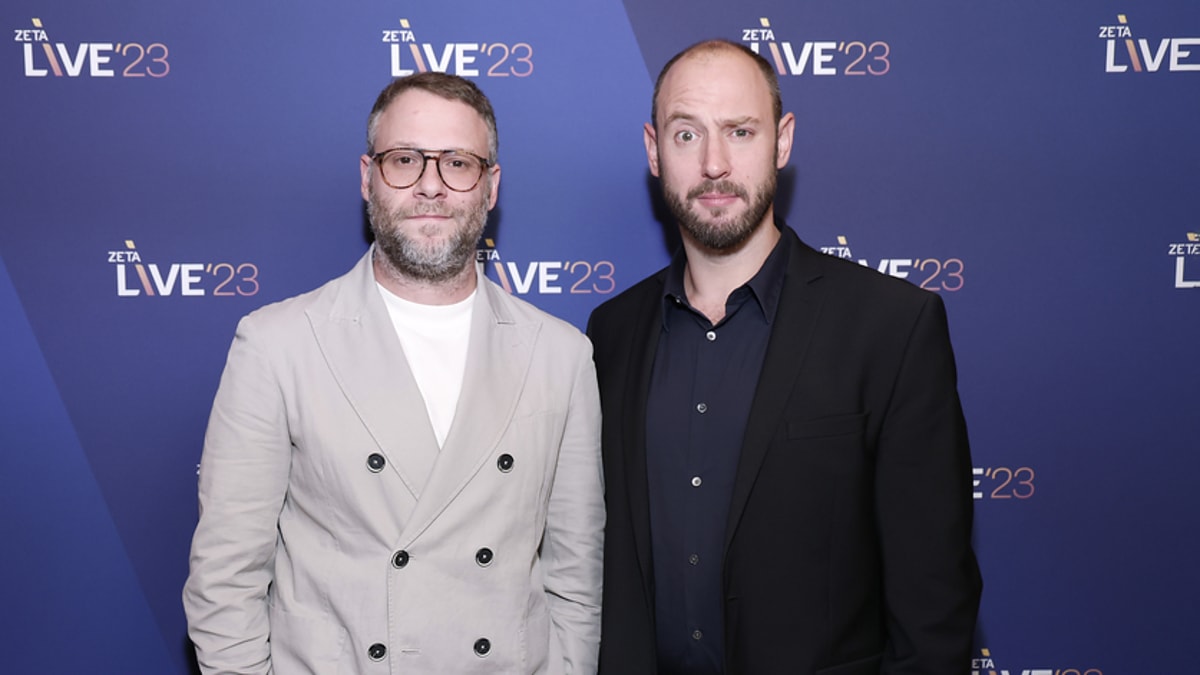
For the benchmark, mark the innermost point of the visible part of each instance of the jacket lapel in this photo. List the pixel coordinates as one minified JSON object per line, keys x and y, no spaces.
{"x":498,"y":358}
{"x":356,"y":336}
{"x":796,"y":317}
{"x":644,"y":344}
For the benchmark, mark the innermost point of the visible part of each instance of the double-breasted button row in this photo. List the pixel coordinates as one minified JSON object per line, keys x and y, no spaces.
{"x":483,"y":557}
{"x":377,"y":651}
{"x":376,"y":462}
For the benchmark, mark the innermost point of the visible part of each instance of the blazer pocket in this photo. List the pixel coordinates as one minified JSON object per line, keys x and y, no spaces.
{"x":828,"y":427}
{"x":867,"y":666}
{"x":828,"y":447}
{"x":301,"y":644}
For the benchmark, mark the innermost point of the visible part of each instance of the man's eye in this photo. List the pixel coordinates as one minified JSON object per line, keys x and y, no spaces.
{"x":685,"y":136}
{"x":741,"y":133}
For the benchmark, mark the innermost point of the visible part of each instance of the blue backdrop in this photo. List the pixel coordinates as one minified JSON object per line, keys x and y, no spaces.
{"x":169,"y":167}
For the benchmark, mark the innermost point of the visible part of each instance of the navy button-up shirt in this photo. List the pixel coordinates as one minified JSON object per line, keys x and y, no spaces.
{"x":701,"y":389}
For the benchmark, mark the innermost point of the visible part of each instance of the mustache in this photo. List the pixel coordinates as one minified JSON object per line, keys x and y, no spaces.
{"x":721,"y":186}
{"x":425,"y":209}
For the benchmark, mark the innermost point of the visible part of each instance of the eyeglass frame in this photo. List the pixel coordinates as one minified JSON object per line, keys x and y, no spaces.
{"x":426,"y":155}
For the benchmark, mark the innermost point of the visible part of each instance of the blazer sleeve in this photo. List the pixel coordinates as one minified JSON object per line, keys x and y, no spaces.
{"x":572,"y":549}
{"x":925,"y":508}
{"x":243,"y":479}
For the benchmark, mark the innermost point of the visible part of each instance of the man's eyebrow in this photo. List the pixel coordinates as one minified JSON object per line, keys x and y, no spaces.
{"x":724,"y":123}
{"x":678,"y":117}
{"x":745,"y":120}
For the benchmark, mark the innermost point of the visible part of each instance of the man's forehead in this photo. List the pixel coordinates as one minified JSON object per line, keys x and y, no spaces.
{"x":707,"y":65}
{"x":421,"y":102}
{"x":713,"y":84}
{"x":417,"y":112}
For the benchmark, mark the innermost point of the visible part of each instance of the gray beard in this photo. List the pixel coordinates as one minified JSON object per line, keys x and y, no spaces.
{"x":721,"y":234}
{"x":431,"y":263}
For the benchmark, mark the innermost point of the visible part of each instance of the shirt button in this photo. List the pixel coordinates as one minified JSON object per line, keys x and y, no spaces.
{"x":696,"y":481}
{"x":696,"y":635}
{"x":400,"y":559}
{"x":701,"y":408}
{"x":505,"y":463}
{"x":377,"y":651}
{"x":483,"y":646}
{"x":711,"y":335}
{"x":693,"y":559}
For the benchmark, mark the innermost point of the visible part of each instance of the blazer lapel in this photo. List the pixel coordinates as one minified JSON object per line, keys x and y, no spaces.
{"x":360,"y":346}
{"x":498,"y":359}
{"x":644,"y":345}
{"x":796,"y":317}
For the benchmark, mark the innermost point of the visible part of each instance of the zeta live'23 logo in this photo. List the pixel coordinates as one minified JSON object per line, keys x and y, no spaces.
{"x":136,"y":278}
{"x":822,"y":57}
{"x":465,"y":59}
{"x":549,"y":277}
{"x":44,"y":57}
{"x":929,"y":273}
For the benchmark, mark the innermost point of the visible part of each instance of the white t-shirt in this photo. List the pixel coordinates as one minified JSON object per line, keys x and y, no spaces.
{"x":435,"y":340}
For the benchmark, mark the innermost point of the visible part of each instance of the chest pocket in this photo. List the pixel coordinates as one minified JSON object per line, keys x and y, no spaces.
{"x":834,"y":444}
{"x":828,"y":427}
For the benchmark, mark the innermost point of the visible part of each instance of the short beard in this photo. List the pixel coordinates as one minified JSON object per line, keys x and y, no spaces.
{"x":432,"y":262}
{"x":728,"y":234}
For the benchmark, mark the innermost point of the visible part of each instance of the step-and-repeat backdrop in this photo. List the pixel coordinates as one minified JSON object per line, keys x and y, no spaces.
{"x":168,"y":167}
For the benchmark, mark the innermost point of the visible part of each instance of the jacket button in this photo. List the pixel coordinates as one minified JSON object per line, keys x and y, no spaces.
{"x":400,"y":559}
{"x":377,"y":651}
{"x":375,"y":462}
{"x":505,"y":463}
{"x":482,"y":646}
{"x":484,"y":557}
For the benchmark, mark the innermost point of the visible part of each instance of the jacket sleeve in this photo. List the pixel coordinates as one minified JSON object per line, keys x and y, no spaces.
{"x":924,"y":508}
{"x":243,"y":480}
{"x":572,"y":549}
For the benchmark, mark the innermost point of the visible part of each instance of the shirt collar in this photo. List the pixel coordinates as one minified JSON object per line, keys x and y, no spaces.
{"x":764,"y":287}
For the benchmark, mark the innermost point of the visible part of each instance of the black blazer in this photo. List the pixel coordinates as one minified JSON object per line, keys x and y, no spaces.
{"x":848,"y":540}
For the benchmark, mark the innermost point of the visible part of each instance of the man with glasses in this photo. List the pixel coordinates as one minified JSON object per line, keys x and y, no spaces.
{"x":401,"y":471}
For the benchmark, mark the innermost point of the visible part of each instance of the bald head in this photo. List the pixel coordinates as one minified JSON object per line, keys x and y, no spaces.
{"x":710,"y":48}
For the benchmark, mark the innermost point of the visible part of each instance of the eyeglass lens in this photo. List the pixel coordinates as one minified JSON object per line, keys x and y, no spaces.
{"x":402,"y":168}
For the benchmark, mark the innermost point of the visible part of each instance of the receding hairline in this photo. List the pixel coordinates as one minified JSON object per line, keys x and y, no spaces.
{"x":709,"y":48}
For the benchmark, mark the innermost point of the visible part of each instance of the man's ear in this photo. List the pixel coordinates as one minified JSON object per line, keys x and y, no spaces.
{"x":650,"y":138}
{"x":783,"y":140}
{"x":364,"y":169}
{"x":493,"y":174}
